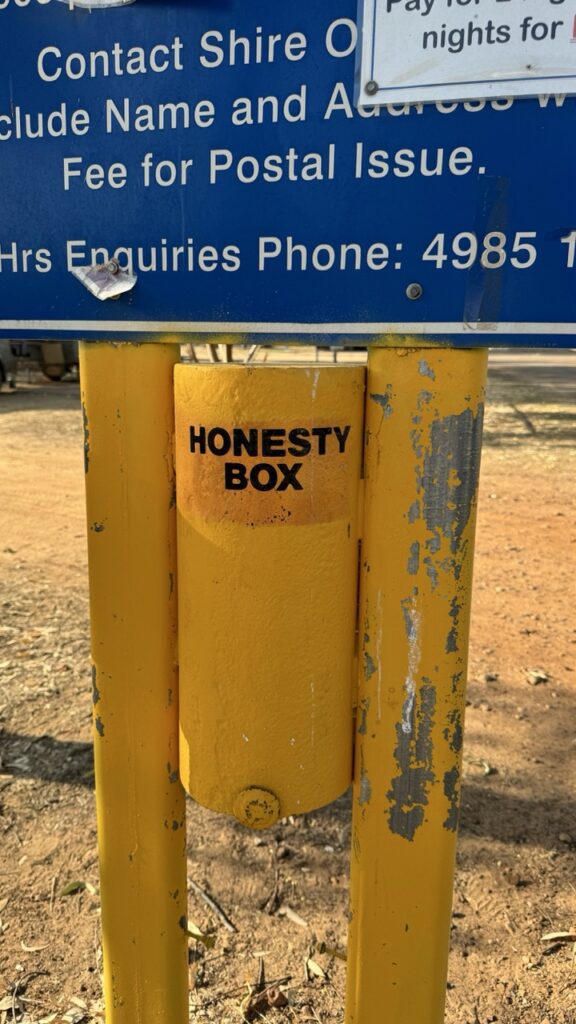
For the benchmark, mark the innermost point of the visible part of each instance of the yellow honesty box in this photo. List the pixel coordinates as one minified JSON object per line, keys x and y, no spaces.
{"x":268,"y":463}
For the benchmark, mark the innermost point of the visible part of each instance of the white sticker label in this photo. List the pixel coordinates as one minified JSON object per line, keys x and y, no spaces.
{"x":431,"y":50}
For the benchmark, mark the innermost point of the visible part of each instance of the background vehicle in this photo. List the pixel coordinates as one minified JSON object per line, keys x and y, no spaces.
{"x":55,"y":358}
{"x":8,"y":362}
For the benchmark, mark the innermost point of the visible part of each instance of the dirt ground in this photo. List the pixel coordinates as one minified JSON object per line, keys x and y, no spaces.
{"x":515,"y":879}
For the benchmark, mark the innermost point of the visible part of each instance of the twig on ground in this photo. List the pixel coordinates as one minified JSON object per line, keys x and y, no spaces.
{"x":214,"y":906}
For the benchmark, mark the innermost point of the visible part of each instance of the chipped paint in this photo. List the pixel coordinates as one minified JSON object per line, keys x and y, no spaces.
{"x":431,"y":572}
{"x":425,"y":370}
{"x":95,"y":690}
{"x":370,"y":666}
{"x":452,"y":792}
{"x":363,"y":714}
{"x":99,"y":726}
{"x":414,"y":757}
{"x":454,"y":733}
{"x":413,"y":632}
{"x":414,"y":511}
{"x":86,"y":433}
{"x":365,"y":788}
{"x":384,"y":402}
{"x":452,"y":638}
{"x":97,"y":527}
{"x":449,"y":478}
{"x":172,"y":773}
{"x":414,"y":559}
{"x":416,"y":439}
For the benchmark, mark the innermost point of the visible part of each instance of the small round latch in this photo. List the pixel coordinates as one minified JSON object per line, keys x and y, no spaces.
{"x":371,"y":88}
{"x":414,"y":291}
{"x":257,"y":808}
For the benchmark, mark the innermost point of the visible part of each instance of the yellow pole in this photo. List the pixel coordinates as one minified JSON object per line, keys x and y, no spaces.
{"x":423,"y":439}
{"x":127,"y":399}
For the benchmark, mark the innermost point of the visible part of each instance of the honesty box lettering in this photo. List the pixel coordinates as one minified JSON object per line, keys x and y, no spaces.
{"x":302,"y":471}
{"x":219,"y":156}
{"x":455,"y":49}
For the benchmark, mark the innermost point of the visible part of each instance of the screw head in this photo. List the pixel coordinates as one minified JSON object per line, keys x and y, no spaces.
{"x":414,"y":291}
{"x":371,"y":88}
{"x":257,"y":808}
{"x":111,"y":267}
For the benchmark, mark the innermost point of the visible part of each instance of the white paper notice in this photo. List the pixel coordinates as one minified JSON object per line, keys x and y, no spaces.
{"x":431,"y":50}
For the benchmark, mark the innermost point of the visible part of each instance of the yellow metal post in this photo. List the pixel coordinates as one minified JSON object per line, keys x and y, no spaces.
{"x":128,"y":421}
{"x":423,"y":438}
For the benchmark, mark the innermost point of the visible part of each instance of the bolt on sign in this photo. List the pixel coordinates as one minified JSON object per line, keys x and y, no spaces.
{"x":208,"y":168}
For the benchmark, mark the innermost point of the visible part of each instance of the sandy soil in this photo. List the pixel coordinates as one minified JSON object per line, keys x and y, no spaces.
{"x":515,"y":881}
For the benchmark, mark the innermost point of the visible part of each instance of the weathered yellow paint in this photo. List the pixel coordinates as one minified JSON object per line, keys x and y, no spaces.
{"x":423,"y":437}
{"x":267,"y":584}
{"x":128,"y":418}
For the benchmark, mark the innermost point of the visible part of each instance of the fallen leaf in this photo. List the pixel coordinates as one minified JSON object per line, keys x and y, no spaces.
{"x":559,"y":937}
{"x":34,"y":949}
{"x":72,"y":888}
{"x":209,"y":941}
{"x":314,"y":969}
{"x":285,"y":911}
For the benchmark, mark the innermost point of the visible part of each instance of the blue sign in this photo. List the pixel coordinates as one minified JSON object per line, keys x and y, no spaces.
{"x":213,"y":150}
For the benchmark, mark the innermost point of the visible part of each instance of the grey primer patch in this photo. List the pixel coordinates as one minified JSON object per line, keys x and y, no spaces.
{"x":365,"y":794}
{"x":416,"y":437}
{"x":369,"y":666}
{"x":86,"y":438}
{"x":414,"y":757}
{"x":456,"y":682}
{"x":452,"y":638}
{"x":425,"y":370}
{"x":99,"y":725}
{"x":454,"y":734}
{"x":455,"y":448}
{"x":432,"y":571}
{"x":434,"y":544}
{"x":406,"y":606}
{"x":365,"y":790}
{"x":364,"y":709}
{"x":95,"y":690}
{"x":414,"y":511}
{"x":414,"y":559}
{"x":452,"y":791}
{"x":384,"y":402}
